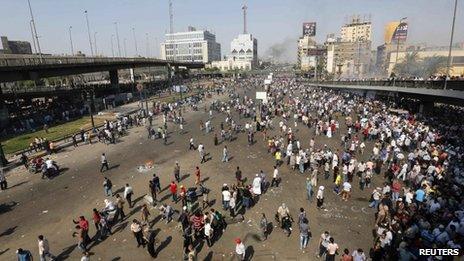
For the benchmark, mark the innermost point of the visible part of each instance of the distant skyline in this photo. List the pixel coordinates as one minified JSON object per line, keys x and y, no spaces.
{"x":270,"y":21}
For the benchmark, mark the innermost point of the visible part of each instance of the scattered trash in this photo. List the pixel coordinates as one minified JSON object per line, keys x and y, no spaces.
{"x":45,"y":212}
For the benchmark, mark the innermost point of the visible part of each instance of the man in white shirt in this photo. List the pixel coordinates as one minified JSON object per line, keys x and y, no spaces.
{"x":44,"y":249}
{"x":346,"y":191}
{"x":240,"y":249}
{"x":225,"y":199}
{"x":275,"y":177}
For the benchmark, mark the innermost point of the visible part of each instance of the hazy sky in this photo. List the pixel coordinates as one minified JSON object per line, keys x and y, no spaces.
{"x":271,"y":21}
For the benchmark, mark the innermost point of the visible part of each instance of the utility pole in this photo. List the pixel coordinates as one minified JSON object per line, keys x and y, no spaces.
{"x":112,"y":47}
{"x":70,"y":40}
{"x":135,"y":42}
{"x":148,"y":45}
{"x":448,"y":65}
{"x":88,"y":31}
{"x":33,"y":38}
{"x":95,"y":43}
{"x":35,"y":30}
{"x":117,"y":38}
{"x":125,"y":50}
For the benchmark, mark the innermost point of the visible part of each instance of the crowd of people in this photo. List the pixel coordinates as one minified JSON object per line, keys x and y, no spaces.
{"x":413,"y":173}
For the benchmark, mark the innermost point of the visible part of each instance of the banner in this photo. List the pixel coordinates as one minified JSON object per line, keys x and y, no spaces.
{"x":401,"y":32}
{"x":309,"y":29}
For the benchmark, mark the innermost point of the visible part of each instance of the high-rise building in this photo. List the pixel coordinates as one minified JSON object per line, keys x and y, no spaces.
{"x":356,"y":30}
{"x":14,"y":47}
{"x":191,"y":46}
{"x":244,"y":48}
{"x":310,"y":54}
{"x":350,"y":55}
{"x":395,"y":36}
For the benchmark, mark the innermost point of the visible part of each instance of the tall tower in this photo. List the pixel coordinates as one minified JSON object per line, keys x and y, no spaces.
{"x":171,"y":18}
{"x":244,"y":8}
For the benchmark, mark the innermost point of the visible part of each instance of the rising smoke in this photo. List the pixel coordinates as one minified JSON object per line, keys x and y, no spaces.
{"x":284,"y":52}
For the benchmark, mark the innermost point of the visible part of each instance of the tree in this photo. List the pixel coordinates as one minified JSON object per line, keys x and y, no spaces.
{"x":413,"y":66}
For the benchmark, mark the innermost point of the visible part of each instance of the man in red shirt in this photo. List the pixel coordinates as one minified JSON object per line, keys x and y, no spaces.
{"x":396,"y":188}
{"x":173,"y":189}
{"x":84,"y":225}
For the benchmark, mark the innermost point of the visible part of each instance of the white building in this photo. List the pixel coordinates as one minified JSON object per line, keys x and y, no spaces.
{"x":356,"y":30}
{"x":191,"y":46}
{"x":230,"y":64}
{"x":244,"y":48}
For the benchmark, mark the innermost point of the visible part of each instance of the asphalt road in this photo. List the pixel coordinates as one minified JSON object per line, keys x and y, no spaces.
{"x":32,"y":206}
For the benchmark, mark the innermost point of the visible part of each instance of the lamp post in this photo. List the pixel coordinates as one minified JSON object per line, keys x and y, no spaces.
{"x":117,"y":38}
{"x":70,"y":40}
{"x":88,"y":31}
{"x":135,"y":42}
{"x":33,"y":37}
{"x":95,"y":43}
{"x":448,"y":65}
{"x":125,"y":50}
{"x":397,"y":48}
{"x":35,"y":30}
{"x":112,"y":46}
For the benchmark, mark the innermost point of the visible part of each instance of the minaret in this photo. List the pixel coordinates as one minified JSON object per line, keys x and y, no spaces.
{"x":244,"y":8}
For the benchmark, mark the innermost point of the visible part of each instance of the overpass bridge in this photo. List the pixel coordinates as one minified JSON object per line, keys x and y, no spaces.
{"x":428,"y":92}
{"x":31,"y":67}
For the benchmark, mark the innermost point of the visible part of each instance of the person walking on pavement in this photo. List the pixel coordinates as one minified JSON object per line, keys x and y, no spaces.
{"x":197,"y":175}
{"x":239,"y":249}
{"x":177,"y":172}
{"x":173,"y":189}
{"x":136,"y":229}
{"x":225,"y":154}
{"x":44,"y":249}
{"x":191,"y":144}
{"x":275,"y":177}
{"x":263,"y":226}
{"x":156,"y":182}
{"x":119,"y":209}
{"x":104,"y":162}
{"x":107,"y":185}
{"x":201,"y":150}
{"x":128,"y":192}
{"x":153,"y":191}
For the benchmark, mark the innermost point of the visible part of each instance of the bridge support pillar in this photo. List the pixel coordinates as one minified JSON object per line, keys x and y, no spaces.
{"x":426,"y":107}
{"x":114,"y":79}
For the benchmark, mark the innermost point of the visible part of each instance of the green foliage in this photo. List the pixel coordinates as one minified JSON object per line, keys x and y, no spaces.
{"x":413,"y":66}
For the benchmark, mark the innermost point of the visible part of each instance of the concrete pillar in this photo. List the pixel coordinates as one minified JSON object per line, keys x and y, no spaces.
{"x":114,"y":79}
{"x":426,"y":107}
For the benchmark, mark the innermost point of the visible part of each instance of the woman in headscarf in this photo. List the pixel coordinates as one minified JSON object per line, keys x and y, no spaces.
{"x":320,"y":197}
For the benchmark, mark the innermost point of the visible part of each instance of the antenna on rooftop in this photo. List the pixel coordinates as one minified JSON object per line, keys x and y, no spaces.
{"x":244,"y":8}
{"x":171,"y":18}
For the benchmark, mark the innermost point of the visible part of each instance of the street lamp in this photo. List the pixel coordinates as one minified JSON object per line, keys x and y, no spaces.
{"x":135,"y":42}
{"x":397,"y":47}
{"x":88,"y":31}
{"x":448,"y":65}
{"x":95,"y":43}
{"x":117,"y":38}
{"x":70,"y":40}
{"x":148,"y":45}
{"x":112,"y":47}
{"x":125,"y":50}
{"x":35,"y":30}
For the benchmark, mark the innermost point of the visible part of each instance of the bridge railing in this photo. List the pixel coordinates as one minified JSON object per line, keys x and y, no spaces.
{"x":34,"y":60}
{"x":451,"y":84}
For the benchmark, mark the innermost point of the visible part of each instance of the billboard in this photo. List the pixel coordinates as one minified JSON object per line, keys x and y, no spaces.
{"x":401,"y":32}
{"x":309,"y":29}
